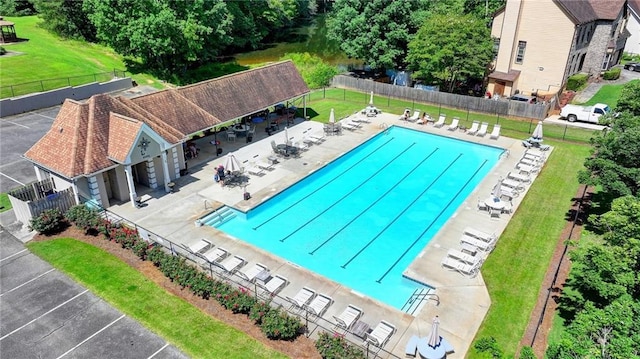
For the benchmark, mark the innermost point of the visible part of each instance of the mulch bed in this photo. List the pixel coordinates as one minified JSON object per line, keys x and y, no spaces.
{"x":302,"y":347}
{"x":560,"y":262}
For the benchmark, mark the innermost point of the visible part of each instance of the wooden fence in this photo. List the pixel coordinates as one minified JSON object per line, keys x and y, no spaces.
{"x":31,"y":200}
{"x":502,"y":107}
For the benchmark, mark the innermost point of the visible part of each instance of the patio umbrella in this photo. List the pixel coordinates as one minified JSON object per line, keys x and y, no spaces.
{"x":371,"y":99}
{"x":537,"y":132}
{"x":232,"y":164}
{"x":434,"y":348}
{"x":497,"y":189}
{"x":286,"y":135}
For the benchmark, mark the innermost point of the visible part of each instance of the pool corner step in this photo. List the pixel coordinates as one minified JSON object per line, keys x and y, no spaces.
{"x":219,"y":217}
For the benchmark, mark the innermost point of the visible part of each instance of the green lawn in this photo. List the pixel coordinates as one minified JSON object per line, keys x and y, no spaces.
{"x":46,"y":56}
{"x":516,"y":268}
{"x":195,"y":333}
{"x":5,"y":204}
{"x":608,"y":94}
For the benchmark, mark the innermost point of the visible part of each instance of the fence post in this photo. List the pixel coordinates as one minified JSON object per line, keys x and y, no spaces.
{"x":68,"y":81}
{"x":564,"y":134}
{"x":344,"y":94}
{"x":95,"y":79}
{"x":41,"y":85}
{"x":324,"y":92}
{"x":12,"y":93}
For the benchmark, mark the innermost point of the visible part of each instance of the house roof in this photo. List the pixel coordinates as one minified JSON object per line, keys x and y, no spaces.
{"x":89,"y":137}
{"x":510,"y":76}
{"x":634,"y":5}
{"x":584,"y":11}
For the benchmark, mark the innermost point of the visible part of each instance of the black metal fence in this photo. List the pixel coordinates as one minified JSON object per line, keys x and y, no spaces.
{"x":313,"y":324}
{"x":52,"y":84}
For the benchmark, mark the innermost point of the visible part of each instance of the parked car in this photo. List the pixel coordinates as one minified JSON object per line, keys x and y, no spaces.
{"x":523,"y":98}
{"x":584,"y":113}
{"x":632,"y":66}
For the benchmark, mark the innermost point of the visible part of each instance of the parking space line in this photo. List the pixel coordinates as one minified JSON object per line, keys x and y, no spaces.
{"x":27,"y":282}
{"x":13,"y":255}
{"x":91,"y":336}
{"x":17,"y":124}
{"x":159,"y":350}
{"x":39,"y":114}
{"x":65,"y":302}
{"x":13,"y":179}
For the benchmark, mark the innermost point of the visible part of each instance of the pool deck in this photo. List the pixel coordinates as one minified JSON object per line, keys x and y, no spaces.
{"x":463,"y":301}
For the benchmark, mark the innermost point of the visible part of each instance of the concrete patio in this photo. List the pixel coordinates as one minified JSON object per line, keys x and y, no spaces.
{"x":463,"y":301}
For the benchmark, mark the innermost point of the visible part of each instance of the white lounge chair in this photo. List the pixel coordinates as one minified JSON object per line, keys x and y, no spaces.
{"x":511,"y":183}
{"x":508,"y":192}
{"x":529,"y":162}
{"x":319,"y":138}
{"x":464,"y":257}
{"x":536,"y":153}
{"x":301,"y":146}
{"x":250,"y":274}
{"x":519,"y":177}
{"x":487,"y":237}
{"x":460,"y":267}
{"x":495,"y":133}
{"x":231,"y":264}
{"x":478,"y":243}
{"x":424,"y":119}
{"x":380,"y":335}
{"x":319,"y":304}
{"x":415,"y":117}
{"x":474,"y":128}
{"x":483,"y":129}
{"x":348,"y":317}
{"x":215,"y":254}
{"x":526,"y":169}
{"x":275,"y":284}
{"x":454,"y":124}
{"x":440,"y":121}
{"x":303,"y":297}
{"x":349,"y":126}
{"x":255,"y":170}
{"x":198,"y":246}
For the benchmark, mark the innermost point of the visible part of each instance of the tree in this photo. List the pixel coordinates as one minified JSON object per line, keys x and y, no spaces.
{"x":376,"y":31}
{"x":483,"y":9}
{"x":448,"y":49}
{"x":313,"y":70}
{"x":630,"y":98}
{"x":165,"y":35}
{"x":66,"y":18}
{"x":615,"y":164}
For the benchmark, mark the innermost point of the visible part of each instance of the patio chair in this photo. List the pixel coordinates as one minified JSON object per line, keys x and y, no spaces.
{"x":199,"y":246}
{"x":412,"y":346}
{"x":319,"y":304}
{"x":250,"y":274}
{"x":483,"y":129}
{"x":495,"y":133}
{"x":482,"y":205}
{"x":508,"y":208}
{"x":478,"y":243}
{"x":381,"y":334}
{"x":276,"y":150}
{"x":487,"y":237}
{"x":215,"y":255}
{"x":348,"y":317}
{"x":440,"y":121}
{"x":275,"y":284}
{"x":303,"y":297}
{"x":231,"y":136}
{"x":474,"y":128}
{"x":494,"y":213}
{"x":460,"y":267}
{"x":454,"y":124}
{"x":231,"y":264}
{"x":464,"y":257}
{"x":415,"y":117}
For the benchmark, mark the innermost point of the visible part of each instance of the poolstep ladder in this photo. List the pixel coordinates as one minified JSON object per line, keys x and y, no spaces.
{"x":219,"y":216}
{"x":418,"y":298}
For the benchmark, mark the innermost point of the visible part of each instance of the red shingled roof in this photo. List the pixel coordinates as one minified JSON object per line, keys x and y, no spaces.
{"x":89,"y":137}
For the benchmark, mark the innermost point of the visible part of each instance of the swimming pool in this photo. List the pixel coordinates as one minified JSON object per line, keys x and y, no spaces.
{"x":362,"y":219}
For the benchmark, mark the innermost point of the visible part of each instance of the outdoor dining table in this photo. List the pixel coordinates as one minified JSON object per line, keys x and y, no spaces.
{"x":494,"y":203}
{"x":240,"y":130}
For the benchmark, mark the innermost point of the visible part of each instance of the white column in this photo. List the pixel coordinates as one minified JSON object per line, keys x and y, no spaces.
{"x":74,"y":186}
{"x":165,"y":171}
{"x":132,"y":187}
{"x":151,"y":172}
{"x":176,"y":163}
{"x":38,"y":173}
{"x":94,"y":189}
{"x":304,"y":106}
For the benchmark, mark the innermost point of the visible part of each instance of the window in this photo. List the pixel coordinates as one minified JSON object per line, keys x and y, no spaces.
{"x":520,"y":54}
{"x":496,"y":47}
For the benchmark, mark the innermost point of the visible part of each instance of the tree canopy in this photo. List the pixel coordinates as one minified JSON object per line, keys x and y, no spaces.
{"x":447,"y":49}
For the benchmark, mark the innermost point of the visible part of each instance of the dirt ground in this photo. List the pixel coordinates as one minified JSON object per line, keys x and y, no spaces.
{"x":536,"y":335}
{"x":302,"y":347}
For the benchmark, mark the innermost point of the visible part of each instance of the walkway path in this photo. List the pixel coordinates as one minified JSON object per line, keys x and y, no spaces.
{"x":593,"y":87}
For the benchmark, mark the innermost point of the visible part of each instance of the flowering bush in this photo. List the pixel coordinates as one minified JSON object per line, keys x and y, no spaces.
{"x":84,"y":217}
{"x":336,"y":347}
{"x":48,"y":222}
{"x":238,"y":301}
{"x":279,"y":325}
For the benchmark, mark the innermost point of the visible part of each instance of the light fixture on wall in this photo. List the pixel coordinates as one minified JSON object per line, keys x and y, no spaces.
{"x":540,"y":68}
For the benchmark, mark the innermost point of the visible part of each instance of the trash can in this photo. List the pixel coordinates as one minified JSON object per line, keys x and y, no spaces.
{"x":247,"y":196}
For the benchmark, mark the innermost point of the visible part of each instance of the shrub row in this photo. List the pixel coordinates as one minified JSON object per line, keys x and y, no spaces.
{"x":274,"y":323}
{"x":336,"y":347}
{"x":612,"y":74}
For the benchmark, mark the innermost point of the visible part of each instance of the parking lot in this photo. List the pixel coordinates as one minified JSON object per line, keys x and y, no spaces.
{"x":45,"y":314}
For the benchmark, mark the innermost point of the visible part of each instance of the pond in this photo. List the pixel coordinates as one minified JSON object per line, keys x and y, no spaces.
{"x":310,"y":38}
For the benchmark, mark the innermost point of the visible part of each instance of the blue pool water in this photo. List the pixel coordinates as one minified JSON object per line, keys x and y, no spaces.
{"x":362,"y":219}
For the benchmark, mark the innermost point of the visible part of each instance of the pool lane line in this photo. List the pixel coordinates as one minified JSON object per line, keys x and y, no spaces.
{"x":431,"y":224}
{"x":372,"y":204}
{"x":406,"y":208}
{"x":348,"y":193}
{"x":326,"y":184}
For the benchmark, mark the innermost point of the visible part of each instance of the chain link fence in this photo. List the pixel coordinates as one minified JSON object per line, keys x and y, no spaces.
{"x":56,"y":83}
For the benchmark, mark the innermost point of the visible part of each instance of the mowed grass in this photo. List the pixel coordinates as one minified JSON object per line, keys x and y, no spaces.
{"x":608,"y":94}
{"x":5,"y":204}
{"x":192,"y":331}
{"x":515,"y":270}
{"x":45,"y":56}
